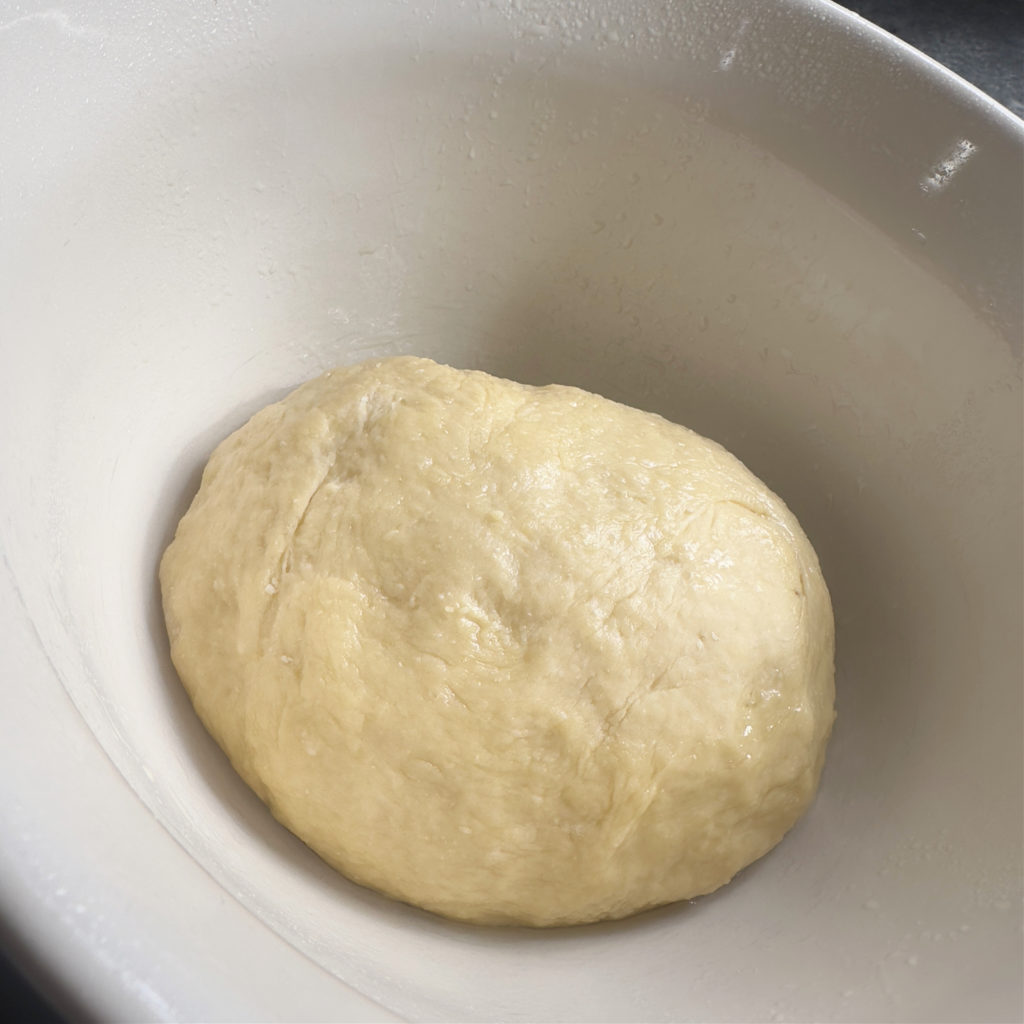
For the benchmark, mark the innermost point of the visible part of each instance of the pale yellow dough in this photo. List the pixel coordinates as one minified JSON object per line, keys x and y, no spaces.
{"x":512,"y":654}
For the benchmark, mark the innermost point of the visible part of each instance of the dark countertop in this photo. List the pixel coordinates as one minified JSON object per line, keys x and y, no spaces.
{"x":981,"y":40}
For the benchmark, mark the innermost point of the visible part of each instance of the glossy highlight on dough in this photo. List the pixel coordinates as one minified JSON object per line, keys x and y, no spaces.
{"x":510,"y":654}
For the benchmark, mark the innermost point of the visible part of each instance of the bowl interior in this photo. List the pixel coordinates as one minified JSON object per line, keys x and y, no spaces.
{"x":551,"y":197}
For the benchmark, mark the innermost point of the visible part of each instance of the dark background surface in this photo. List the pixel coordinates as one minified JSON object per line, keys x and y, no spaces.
{"x":981,"y":40}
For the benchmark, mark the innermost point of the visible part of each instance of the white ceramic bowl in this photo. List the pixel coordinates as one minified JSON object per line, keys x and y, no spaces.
{"x":766,"y":220}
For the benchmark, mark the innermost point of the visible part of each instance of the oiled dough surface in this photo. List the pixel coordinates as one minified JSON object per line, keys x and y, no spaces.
{"x":512,"y":654}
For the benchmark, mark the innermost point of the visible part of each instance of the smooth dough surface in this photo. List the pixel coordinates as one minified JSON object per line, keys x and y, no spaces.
{"x":511,"y":654}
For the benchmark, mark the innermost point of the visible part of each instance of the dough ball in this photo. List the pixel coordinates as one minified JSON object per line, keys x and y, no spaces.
{"x":511,"y":654}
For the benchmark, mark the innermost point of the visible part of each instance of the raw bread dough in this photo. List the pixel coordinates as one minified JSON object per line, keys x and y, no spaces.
{"x":512,"y":654}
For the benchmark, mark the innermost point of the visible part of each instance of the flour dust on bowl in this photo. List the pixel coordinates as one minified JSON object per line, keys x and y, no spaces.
{"x":766,"y":221}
